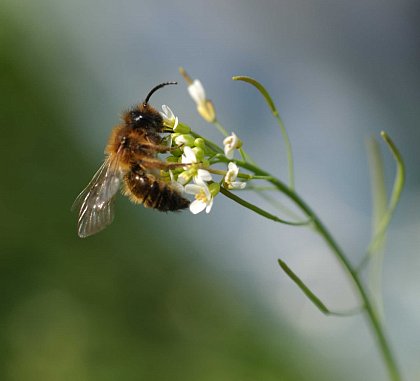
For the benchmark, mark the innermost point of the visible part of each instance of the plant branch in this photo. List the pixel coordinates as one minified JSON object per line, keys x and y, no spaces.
{"x":279,"y":120}
{"x":311,"y":296}
{"x":260,"y":211}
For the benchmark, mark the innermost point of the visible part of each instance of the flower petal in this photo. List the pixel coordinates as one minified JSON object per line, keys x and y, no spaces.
{"x":189,"y":156}
{"x":209,"y":206}
{"x":193,"y":188}
{"x":237,"y":185}
{"x":197,"y":92}
{"x":175,"y":124}
{"x":231,"y":143}
{"x":197,"y":206}
{"x":233,"y":168}
{"x":229,"y":153}
{"x":204,"y":175}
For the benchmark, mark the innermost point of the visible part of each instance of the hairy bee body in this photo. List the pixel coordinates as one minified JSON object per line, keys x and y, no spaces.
{"x":132,"y":158}
{"x":146,"y":189}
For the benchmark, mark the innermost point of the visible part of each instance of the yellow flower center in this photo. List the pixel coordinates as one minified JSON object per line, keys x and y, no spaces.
{"x":201,"y":196}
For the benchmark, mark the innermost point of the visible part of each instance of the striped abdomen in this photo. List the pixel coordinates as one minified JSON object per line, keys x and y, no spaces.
{"x":153,"y":193}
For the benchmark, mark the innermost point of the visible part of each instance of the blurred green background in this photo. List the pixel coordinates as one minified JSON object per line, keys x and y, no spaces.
{"x":187,"y":297}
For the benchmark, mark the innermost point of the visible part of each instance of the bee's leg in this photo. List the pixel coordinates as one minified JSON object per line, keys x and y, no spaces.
{"x":153,"y":163}
{"x":152,"y":148}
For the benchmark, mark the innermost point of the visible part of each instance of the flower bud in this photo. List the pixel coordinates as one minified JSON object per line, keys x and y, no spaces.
{"x":204,"y":106}
{"x":214,"y":189}
{"x":199,"y":142}
{"x":185,"y":140}
{"x":199,"y":153}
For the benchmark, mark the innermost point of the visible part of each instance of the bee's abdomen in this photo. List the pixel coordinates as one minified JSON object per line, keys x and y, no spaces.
{"x":146,"y":189}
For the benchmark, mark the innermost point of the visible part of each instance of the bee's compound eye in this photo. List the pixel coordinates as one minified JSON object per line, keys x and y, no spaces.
{"x":140,"y":119}
{"x":136,"y":116}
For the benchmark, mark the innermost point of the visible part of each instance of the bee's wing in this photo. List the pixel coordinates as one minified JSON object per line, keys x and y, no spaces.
{"x":96,"y":201}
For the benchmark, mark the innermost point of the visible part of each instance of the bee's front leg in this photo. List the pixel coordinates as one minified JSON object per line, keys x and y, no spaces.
{"x":154,"y":148}
{"x":148,"y":163}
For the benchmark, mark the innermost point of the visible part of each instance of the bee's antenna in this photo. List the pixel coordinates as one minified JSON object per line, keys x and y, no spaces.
{"x":157,"y":88}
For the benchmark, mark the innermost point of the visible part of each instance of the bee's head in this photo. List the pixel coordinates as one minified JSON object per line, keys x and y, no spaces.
{"x":145,"y":116}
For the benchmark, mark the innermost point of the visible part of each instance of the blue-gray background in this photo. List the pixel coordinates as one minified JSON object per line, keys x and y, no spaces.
{"x":201,"y":297}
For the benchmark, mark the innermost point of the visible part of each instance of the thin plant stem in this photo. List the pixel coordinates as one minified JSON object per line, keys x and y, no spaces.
{"x":397,"y":189}
{"x":279,"y":120}
{"x":288,"y":148}
{"x":260,"y":211}
{"x":275,"y":203}
{"x":240,"y":175}
{"x":379,"y":207}
{"x":220,"y":128}
{"x":312,"y":297}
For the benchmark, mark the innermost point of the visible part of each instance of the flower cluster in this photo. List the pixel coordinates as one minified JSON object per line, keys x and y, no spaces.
{"x":191,"y":155}
{"x":193,"y":175}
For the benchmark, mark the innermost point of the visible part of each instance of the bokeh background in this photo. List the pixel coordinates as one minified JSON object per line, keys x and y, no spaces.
{"x":185,"y":297}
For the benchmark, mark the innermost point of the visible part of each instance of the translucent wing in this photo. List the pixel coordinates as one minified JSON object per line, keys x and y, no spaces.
{"x":96,"y":202}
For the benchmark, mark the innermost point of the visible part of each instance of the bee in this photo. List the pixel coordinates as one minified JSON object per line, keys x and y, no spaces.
{"x":131,"y":161}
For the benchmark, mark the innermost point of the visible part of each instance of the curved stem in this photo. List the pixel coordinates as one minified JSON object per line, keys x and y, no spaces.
{"x":372,"y":315}
{"x":260,"y":211}
{"x":312,"y":297}
{"x":279,"y":120}
{"x":382,"y":226}
{"x":220,"y":128}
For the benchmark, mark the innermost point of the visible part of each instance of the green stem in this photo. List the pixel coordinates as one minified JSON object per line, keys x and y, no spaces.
{"x":240,"y":175}
{"x":288,"y":148}
{"x":312,"y":297}
{"x":379,"y":207}
{"x":277,"y":116}
{"x":260,"y":211}
{"x":382,"y":225}
{"x":372,"y":315}
{"x":220,"y":128}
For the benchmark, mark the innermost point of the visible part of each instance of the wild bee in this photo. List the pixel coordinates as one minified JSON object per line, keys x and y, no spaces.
{"x":131,"y":159}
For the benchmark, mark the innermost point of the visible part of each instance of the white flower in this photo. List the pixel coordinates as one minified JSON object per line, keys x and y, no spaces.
{"x":192,"y":170}
{"x":189,"y":157}
{"x":231,"y":176}
{"x":176,"y":184}
{"x":204,"y":106}
{"x":203,"y":197}
{"x":202,"y":176}
{"x":169,"y":119}
{"x":197,"y":92}
{"x":231,"y":143}
{"x":184,"y":177}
